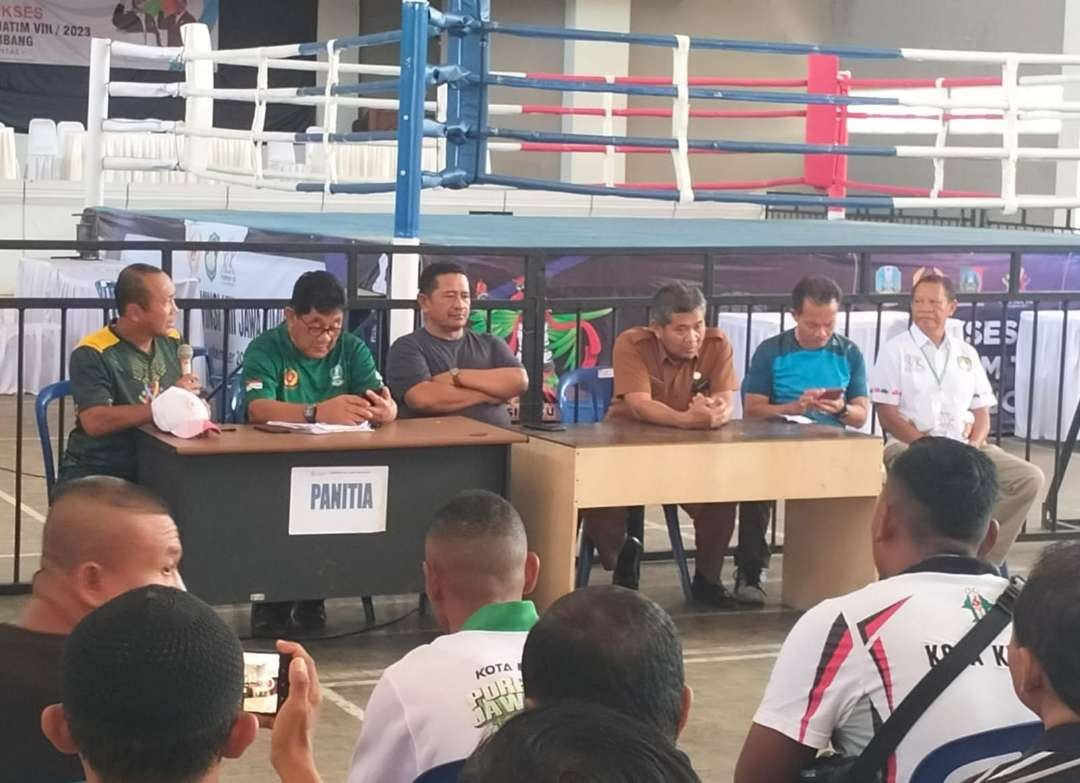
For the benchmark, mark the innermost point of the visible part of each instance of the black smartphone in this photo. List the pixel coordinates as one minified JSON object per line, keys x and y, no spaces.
{"x":266,"y":681}
{"x":832,"y":394}
{"x":546,"y":427}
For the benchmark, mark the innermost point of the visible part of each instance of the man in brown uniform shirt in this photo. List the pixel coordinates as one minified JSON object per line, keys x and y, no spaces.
{"x":673,"y":373}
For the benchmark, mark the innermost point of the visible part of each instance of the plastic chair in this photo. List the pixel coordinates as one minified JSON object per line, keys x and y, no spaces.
{"x":992,"y":744}
{"x":280,"y":156}
{"x":53,"y":391}
{"x":68,"y":138}
{"x":444,"y":773}
{"x":42,"y":149}
{"x":598,"y":383}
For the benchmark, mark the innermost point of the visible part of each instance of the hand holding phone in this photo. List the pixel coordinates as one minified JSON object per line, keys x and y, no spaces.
{"x":266,"y":681}
{"x":831,"y":394}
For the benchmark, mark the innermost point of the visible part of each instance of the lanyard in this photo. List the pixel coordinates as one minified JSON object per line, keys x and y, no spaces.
{"x":931,"y":360}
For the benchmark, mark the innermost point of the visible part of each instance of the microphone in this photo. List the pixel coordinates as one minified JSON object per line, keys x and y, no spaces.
{"x":185,"y":353}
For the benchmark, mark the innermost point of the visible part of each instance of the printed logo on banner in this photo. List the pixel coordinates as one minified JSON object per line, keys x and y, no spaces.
{"x":337,"y":376}
{"x":212,"y":258}
{"x":335,"y":501}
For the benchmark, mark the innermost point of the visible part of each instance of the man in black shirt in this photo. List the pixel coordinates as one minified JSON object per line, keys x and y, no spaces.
{"x":103,"y":537}
{"x":1044,"y":661}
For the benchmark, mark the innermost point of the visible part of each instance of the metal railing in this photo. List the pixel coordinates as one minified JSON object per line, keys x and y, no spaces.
{"x":533,"y":311}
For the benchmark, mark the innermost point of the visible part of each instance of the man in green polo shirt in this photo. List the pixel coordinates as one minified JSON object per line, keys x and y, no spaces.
{"x":435,"y":704}
{"x":118,"y":370}
{"x":307,"y":369}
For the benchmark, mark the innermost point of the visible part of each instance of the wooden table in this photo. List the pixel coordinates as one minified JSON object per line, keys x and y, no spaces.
{"x":828,"y":477}
{"x":229,"y":495}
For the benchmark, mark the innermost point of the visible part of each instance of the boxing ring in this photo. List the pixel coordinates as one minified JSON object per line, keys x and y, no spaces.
{"x":462,"y":125}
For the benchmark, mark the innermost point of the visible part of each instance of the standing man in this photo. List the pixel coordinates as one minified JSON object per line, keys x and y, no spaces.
{"x":436,"y":704}
{"x":672,"y":373}
{"x":307,"y":369}
{"x":807,"y":371}
{"x":103,"y":536}
{"x":928,"y":383}
{"x":445,"y":368}
{"x":118,"y":370}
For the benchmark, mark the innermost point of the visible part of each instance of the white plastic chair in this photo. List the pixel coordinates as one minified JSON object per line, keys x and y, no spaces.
{"x":69,"y":136}
{"x":42,"y":149}
{"x":280,"y":156}
{"x":314,"y":159}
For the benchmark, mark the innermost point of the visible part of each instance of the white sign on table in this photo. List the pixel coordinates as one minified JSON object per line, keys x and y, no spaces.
{"x":335,"y":501}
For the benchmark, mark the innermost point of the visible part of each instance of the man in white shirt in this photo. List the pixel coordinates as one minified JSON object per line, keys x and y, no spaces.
{"x":928,"y":383}
{"x":850,"y":660}
{"x":437,"y":703}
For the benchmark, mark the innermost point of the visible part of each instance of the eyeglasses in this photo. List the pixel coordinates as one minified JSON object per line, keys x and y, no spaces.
{"x":318,"y":330}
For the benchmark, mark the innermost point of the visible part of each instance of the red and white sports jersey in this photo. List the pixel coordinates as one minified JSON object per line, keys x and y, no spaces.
{"x":849,"y":661}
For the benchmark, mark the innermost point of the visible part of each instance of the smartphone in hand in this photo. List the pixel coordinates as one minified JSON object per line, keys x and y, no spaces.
{"x":831,"y":394}
{"x":266,"y":681}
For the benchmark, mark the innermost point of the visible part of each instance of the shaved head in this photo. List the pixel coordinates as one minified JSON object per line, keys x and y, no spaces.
{"x":94,"y":519}
{"x":477,"y":542}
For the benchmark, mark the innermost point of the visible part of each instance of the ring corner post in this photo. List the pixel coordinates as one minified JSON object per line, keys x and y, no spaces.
{"x":97,"y":111}
{"x":467,"y":107}
{"x":198,"y":111}
{"x":415,"y":18}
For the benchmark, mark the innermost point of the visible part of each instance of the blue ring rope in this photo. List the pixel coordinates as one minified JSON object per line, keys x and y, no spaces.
{"x":669,"y":41}
{"x":749,"y":96}
{"x":725,"y":196}
{"x":722,"y":145}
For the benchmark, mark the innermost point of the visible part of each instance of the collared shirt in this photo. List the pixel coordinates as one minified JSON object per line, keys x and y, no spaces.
{"x":783,"y":370}
{"x":437,"y":703}
{"x":935,"y":387}
{"x":106,"y":369}
{"x":850,"y":660}
{"x":642,"y":365}
{"x":275,"y":370}
{"x":1054,"y":758}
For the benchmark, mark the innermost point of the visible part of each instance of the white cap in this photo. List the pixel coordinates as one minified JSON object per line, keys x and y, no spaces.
{"x":181,"y":413}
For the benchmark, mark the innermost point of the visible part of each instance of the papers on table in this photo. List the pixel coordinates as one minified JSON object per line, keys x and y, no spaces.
{"x":797,"y":419}
{"x":320,"y":429}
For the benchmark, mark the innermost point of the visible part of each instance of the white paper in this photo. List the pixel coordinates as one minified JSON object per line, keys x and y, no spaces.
{"x":339,"y":500}
{"x":797,"y":419}
{"x":320,"y":429}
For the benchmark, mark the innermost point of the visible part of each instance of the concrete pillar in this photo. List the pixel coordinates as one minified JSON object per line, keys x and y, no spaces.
{"x":338,"y":19}
{"x":597,"y":59}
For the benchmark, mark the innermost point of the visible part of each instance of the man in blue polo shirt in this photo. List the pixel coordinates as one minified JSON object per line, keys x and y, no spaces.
{"x":806,"y":371}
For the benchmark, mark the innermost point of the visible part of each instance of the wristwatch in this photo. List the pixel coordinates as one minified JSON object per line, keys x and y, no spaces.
{"x":843,"y":414}
{"x":455,"y":376}
{"x":309,"y":413}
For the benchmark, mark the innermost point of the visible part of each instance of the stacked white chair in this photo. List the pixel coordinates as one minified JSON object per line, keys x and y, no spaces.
{"x":70,"y":143}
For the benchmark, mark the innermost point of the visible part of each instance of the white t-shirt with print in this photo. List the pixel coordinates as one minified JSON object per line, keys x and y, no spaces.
{"x":936,"y":398}
{"x":437,"y":703}
{"x":850,"y":660}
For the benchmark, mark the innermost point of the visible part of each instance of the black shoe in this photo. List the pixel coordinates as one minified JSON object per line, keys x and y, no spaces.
{"x":270,"y":620}
{"x":627,"y":571}
{"x":706,"y":592}
{"x":310,"y":615}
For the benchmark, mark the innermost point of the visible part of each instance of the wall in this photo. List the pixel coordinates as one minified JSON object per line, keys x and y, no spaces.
{"x":986,"y":25}
{"x":766,"y":20}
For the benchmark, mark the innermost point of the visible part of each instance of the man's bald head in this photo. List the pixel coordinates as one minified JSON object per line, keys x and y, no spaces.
{"x":476,"y":551}
{"x":105,"y":536}
{"x":89,"y":519}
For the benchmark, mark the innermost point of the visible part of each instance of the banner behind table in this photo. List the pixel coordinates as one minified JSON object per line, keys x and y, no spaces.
{"x":58,"y":32}
{"x":232,"y":275}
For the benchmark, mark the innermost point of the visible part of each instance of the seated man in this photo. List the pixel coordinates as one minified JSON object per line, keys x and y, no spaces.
{"x":577,"y":741}
{"x":931,"y":529}
{"x":307,"y":369}
{"x":435,"y":704}
{"x":928,"y":383}
{"x":611,"y":646}
{"x":445,"y":367}
{"x":103,"y":536}
{"x":673,"y":373}
{"x":811,"y":371}
{"x":151,"y":689}
{"x":1044,"y":659}
{"x":118,"y":370}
